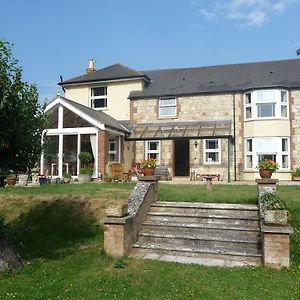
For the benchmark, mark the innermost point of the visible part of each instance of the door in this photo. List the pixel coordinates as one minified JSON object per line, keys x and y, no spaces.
{"x":182,"y":158}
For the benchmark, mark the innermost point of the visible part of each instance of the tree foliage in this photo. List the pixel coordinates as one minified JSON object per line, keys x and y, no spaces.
{"x":21,"y":116}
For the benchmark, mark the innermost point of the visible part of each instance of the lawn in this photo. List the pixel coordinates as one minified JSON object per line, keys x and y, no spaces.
{"x":59,"y":233}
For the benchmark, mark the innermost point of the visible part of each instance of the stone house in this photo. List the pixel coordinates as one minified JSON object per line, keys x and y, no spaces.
{"x":207,"y":120}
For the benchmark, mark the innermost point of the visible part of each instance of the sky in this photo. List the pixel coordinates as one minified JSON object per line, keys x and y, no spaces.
{"x":58,"y":37}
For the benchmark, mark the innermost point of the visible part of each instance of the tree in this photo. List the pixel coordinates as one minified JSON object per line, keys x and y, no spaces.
{"x":21,"y":116}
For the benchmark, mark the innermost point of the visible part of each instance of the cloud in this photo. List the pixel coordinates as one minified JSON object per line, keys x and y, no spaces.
{"x":247,"y":13}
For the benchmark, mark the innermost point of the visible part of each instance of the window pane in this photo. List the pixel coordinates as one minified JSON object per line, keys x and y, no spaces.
{"x":266,"y":156}
{"x":167,"y":111}
{"x":212,"y":144}
{"x":248,"y":112}
{"x":248,"y":98}
{"x":283,"y":96}
{"x":265,"y":96}
{"x":100,"y":91}
{"x":285,"y":161}
{"x":212,"y":157}
{"x":284,"y":145}
{"x":249,"y":162}
{"x":152,"y":145}
{"x":98,"y":103}
{"x":284,"y":111}
{"x":112,"y":146}
{"x":170,"y":101}
{"x":249,"y":145}
{"x":265,"y":110}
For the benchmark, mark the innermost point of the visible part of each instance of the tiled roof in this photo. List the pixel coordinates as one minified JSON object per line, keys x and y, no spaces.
{"x":222,"y":78}
{"x":113,"y":72}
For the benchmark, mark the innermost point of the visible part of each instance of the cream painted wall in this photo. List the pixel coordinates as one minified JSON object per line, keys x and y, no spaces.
{"x":118,"y":104}
{"x":78,"y":94}
{"x":267,"y":128}
{"x":277,"y":175}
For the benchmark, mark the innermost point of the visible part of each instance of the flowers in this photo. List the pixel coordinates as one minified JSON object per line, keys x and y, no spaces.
{"x":149,"y":163}
{"x":268,"y":164}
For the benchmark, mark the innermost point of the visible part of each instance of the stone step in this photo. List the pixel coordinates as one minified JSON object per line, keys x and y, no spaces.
{"x":188,"y":250}
{"x":161,"y":225}
{"x":249,"y":207}
{"x":227,"y":236}
{"x":204,"y":214}
{"x":198,"y":220}
{"x":208,"y":259}
{"x":195,"y":243}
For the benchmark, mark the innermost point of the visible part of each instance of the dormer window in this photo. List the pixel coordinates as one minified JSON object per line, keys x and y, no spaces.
{"x":99,"y":97}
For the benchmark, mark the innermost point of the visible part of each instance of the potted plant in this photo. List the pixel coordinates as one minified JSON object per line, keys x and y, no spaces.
{"x":266,"y":168}
{"x":67,"y":177}
{"x":274,"y":209}
{"x":296,"y":174}
{"x":85,"y":172}
{"x":149,"y":166}
{"x":11,"y":180}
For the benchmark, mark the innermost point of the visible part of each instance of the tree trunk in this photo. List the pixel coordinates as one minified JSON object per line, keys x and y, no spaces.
{"x":9,"y":258}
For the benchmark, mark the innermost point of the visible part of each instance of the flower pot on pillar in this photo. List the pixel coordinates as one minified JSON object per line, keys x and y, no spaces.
{"x":148,"y":172}
{"x":265,"y":174}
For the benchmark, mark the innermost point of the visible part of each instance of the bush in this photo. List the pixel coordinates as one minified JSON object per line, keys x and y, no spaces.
{"x":296,"y":173}
{"x":85,"y":158}
{"x":2,"y":225}
{"x":86,"y":171}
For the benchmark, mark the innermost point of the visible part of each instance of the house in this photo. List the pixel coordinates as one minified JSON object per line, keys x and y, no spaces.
{"x":206,"y":120}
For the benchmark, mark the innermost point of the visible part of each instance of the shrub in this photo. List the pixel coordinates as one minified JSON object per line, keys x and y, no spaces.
{"x":86,"y":171}
{"x":296,"y":173}
{"x":85,"y":158}
{"x":273,"y":202}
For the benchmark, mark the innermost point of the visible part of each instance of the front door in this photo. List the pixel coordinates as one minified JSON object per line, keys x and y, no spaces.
{"x":182,"y":158}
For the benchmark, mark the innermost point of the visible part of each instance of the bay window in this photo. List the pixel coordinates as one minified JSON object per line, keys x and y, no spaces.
{"x":266,"y":104}
{"x":274,"y":148}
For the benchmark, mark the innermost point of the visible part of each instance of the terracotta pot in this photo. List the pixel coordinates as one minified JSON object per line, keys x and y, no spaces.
{"x":148,"y":172}
{"x":265,"y":174}
{"x":11,"y":181}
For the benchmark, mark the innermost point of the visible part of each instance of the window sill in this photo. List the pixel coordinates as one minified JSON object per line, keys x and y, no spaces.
{"x":167,"y":117}
{"x":257,"y":171}
{"x":212,"y":164}
{"x":267,"y":119}
{"x":101,"y":108}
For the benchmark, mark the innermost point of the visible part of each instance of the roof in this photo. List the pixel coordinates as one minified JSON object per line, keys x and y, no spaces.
{"x":181,"y":130}
{"x":113,"y":72}
{"x":219,"y":79}
{"x":98,"y":116}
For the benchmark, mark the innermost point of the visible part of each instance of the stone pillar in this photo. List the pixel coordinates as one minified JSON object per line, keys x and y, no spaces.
{"x":276,"y":245}
{"x":275,"y":238}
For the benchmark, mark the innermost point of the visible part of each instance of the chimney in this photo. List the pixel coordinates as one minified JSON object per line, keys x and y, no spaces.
{"x":92,"y":66}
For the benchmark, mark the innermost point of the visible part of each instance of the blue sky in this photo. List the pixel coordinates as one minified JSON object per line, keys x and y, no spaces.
{"x":57,"y":37}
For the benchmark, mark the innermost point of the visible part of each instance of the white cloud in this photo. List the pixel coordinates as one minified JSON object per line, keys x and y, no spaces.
{"x":244,"y":12}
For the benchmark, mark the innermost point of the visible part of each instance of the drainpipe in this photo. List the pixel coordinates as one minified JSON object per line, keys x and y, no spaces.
{"x":234,"y":141}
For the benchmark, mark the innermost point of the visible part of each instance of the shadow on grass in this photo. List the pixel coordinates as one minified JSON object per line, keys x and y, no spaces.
{"x":53,"y":229}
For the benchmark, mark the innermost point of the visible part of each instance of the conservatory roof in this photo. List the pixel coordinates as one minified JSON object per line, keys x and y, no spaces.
{"x":181,"y":130}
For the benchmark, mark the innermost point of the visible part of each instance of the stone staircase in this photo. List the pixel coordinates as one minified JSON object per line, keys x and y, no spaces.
{"x":201,"y":233}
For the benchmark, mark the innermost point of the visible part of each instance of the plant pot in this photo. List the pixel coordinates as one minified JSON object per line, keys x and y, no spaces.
{"x":276,"y":217}
{"x":66,"y":180}
{"x":84,"y":178}
{"x":265,"y":174}
{"x":43,"y":180}
{"x":11,"y":181}
{"x":148,"y":172}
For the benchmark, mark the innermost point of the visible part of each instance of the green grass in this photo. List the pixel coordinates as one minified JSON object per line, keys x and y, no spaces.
{"x":57,"y":231}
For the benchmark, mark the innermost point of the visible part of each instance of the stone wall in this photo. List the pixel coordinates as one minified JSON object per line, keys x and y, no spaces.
{"x":195,"y":108}
{"x":295,"y":128}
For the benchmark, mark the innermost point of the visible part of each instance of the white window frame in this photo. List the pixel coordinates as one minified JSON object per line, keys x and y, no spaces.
{"x":115,"y":152}
{"x":249,"y":152}
{"x":218,"y":150}
{"x":161,"y":106}
{"x":276,"y":150}
{"x":148,"y":151}
{"x":256,"y":102}
{"x":104,"y":97}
